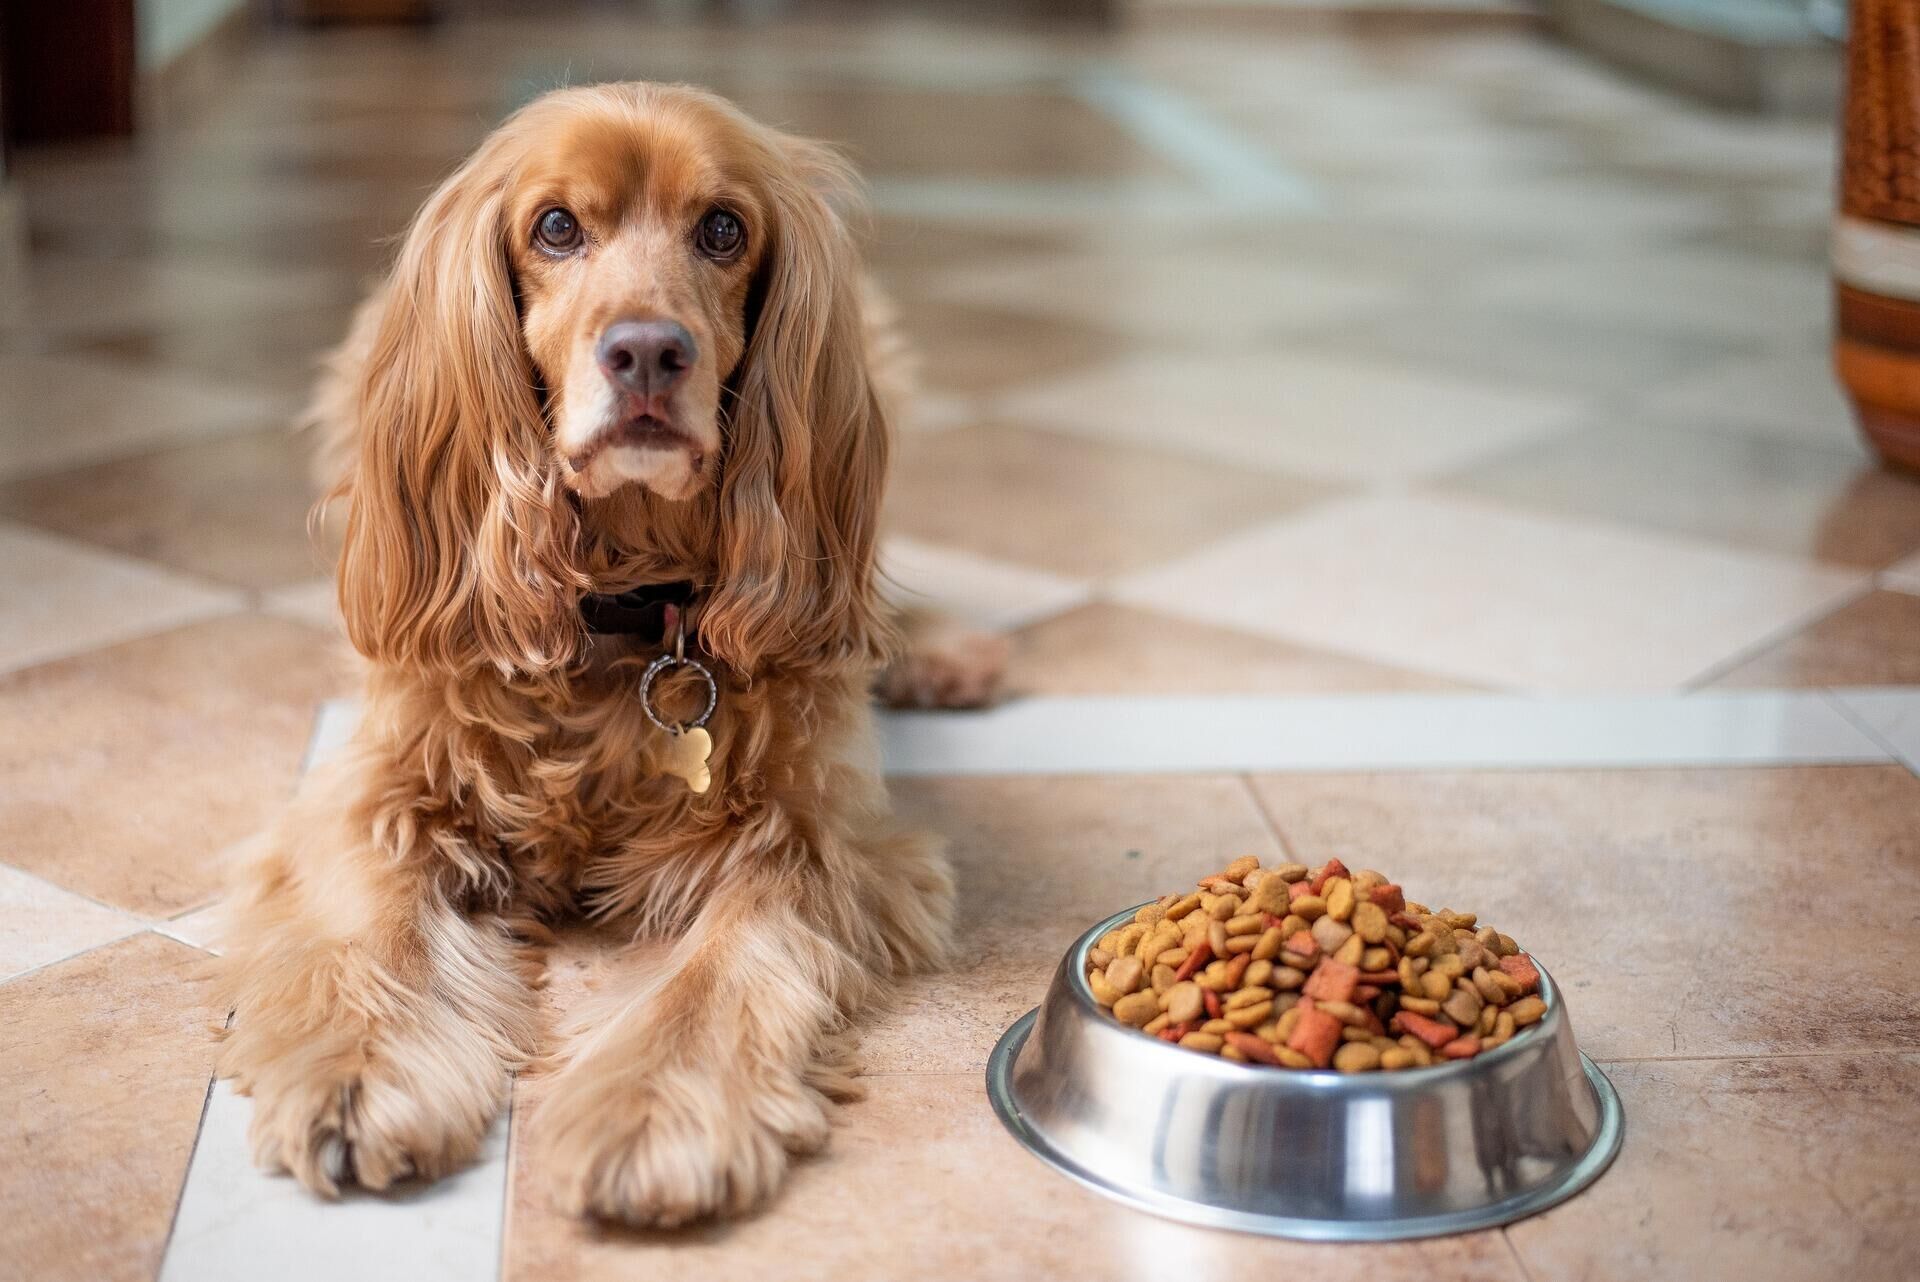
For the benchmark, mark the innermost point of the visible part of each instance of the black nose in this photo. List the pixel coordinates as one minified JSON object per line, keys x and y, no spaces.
{"x":647,"y":358}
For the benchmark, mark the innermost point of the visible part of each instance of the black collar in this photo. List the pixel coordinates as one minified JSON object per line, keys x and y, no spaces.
{"x":642,"y":612}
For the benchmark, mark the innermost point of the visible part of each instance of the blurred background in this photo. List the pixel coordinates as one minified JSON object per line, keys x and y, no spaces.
{"x":1518,"y":304}
{"x":1268,"y":347}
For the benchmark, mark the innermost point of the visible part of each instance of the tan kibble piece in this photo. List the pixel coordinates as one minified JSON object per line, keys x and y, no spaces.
{"x":1124,"y":974}
{"x":1340,"y":902}
{"x":1216,"y":1026}
{"x":1185,"y":1002}
{"x":1182,"y":906}
{"x":1136,"y":1008}
{"x":1162,"y":977}
{"x":1199,"y":1041}
{"x":1349,"y":953}
{"x":1240,"y":867}
{"x":1291,"y":872}
{"x":1370,"y":922}
{"x":1398,"y":1057}
{"x":1309,"y":907}
{"x":1356,"y":1057}
{"x":1102,"y":990}
{"x":1246,"y":924}
{"x":1157,"y":1023}
{"x":1527,"y":1011}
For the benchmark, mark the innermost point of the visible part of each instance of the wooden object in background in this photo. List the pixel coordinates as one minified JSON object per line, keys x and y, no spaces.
{"x":1876,"y":244}
{"x":354,"y":10}
{"x":66,"y":69}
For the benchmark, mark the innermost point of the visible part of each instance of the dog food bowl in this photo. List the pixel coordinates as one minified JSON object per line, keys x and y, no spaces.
{"x":1303,"y":1154}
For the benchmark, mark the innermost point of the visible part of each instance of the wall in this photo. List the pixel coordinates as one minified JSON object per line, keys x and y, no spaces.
{"x":168,"y":27}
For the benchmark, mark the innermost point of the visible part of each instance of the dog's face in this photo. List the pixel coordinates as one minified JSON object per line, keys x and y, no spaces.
{"x":634,"y":245}
{"x":625,"y":337}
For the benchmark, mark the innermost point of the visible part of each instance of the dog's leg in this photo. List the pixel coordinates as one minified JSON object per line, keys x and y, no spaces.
{"x":696,"y":1080}
{"x":374,"y":1021}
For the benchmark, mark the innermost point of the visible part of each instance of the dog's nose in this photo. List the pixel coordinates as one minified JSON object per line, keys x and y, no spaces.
{"x":647,"y":358}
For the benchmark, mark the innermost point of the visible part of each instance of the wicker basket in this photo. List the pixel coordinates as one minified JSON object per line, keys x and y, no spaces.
{"x":1877,"y":239}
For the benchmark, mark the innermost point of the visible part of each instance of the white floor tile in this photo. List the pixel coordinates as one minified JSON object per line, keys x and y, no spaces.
{"x":1495,"y":597}
{"x":331,"y":729}
{"x":1190,"y":299}
{"x":237,"y":1224}
{"x":1790,"y":395}
{"x":1321,"y":416}
{"x":1903,"y":576}
{"x":103,"y":409}
{"x":985,"y":593}
{"x":40,"y":923}
{"x":315,"y":602}
{"x":63,"y":597}
{"x":1376,"y":732}
{"x":1892,"y":714}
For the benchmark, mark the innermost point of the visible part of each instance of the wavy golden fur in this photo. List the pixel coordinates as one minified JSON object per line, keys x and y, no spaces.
{"x":503,"y":774}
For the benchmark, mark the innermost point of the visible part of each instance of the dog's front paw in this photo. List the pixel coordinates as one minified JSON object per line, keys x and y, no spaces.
{"x":370,"y":1129}
{"x":664,"y":1148}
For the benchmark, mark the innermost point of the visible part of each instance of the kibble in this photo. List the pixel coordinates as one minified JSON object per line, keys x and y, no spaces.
{"x":1301,"y":968}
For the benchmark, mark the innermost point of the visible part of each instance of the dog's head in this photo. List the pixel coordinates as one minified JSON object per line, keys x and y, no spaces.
{"x":632,"y":295}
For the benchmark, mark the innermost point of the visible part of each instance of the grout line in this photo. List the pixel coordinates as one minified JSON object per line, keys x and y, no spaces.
{"x":1785,"y":632}
{"x":1859,"y":722}
{"x":1759,"y":1055}
{"x":1266,"y":815}
{"x":144,"y":928}
{"x":199,"y":1128}
{"x":1514,"y":1251}
{"x":506,"y":1183}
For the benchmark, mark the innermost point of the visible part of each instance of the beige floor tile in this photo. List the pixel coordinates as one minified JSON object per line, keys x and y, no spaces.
{"x":1496,"y":597}
{"x":279,"y":352}
{"x":65,"y":410}
{"x":106,"y":1060}
{"x":989,"y":347}
{"x":1328,"y":417}
{"x":130,"y":768}
{"x":232,"y":510}
{"x":1663,"y":901}
{"x":1037,"y":862}
{"x":1760,"y":1169}
{"x":1191,"y":299}
{"x":41,"y":923}
{"x":63,"y":598}
{"x":1073,"y":506}
{"x":64,"y":293}
{"x":1825,"y":504}
{"x":921,"y":1181}
{"x":1113,"y":649}
{"x":981,"y":591}
{"x":1790,"y":396}
{"x":1868,"y":642}
{"x":913,"y":132}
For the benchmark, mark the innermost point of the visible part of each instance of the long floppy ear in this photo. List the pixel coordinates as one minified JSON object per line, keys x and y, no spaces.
{"x":460,"y":540}
{"x":806,"y":460}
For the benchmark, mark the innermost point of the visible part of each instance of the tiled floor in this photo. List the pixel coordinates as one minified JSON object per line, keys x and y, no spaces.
{"x":1408,"y":442}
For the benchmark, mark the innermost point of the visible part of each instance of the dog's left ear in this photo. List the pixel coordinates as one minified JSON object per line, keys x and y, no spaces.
{"x":808,"y":444}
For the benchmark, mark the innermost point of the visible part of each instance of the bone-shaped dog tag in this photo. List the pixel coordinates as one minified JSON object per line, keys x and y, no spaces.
{"x":686,"y":757}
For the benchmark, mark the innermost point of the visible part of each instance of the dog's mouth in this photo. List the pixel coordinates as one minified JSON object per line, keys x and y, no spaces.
{"x":642,"y":431}
{"x":641,"y":447}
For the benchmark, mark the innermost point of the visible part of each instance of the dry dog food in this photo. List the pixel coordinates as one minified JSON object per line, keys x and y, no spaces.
{"x":1301,"y":967}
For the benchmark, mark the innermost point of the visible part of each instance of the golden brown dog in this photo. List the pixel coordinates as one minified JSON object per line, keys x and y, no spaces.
{"x":624,"y":344}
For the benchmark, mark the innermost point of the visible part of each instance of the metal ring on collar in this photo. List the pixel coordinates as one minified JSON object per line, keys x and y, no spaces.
{"x":660,"y":665}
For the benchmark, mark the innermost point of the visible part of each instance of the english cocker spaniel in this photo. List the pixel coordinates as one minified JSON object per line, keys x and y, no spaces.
{"x":614,"y":438}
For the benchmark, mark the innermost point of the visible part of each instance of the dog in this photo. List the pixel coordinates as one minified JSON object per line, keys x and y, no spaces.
{"x":616,"y":426}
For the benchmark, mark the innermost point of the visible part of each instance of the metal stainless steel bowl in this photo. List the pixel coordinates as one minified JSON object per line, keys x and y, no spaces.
{"x":1320,"y":1155}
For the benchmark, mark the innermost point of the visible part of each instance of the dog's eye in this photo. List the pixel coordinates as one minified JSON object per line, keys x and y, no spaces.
{"x":557,"y":230}
{"x":720,"y":235}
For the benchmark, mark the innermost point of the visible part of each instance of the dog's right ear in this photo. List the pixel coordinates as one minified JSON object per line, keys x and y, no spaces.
{"x":460,"y":538}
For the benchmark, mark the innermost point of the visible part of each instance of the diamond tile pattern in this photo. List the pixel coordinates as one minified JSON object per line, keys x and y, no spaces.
{"x":1259,"y":357}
